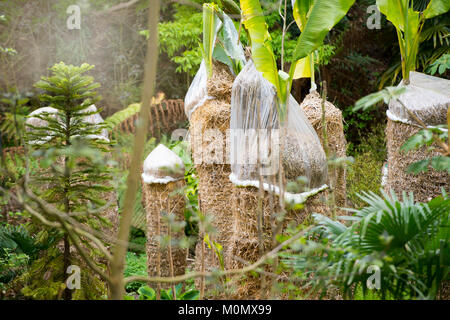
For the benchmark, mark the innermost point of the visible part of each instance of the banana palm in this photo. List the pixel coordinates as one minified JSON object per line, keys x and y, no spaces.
{"x":315,"y":18}
{"x":409,"y":24}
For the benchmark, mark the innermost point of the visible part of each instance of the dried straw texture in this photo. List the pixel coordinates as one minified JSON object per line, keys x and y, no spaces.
{"x":208,"y":136}
{"x":111,"y":214}
{"x":424,"y":185}
{"x":245,"y":246}
{"x":158,"y":198}
{"x":444,"y":291}
{"x":214,"y":186}
{"x":337,"y":144}
{"x":220,"y":84}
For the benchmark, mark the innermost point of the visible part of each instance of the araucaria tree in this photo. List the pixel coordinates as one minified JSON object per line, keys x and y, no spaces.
{"x":69,"y":137}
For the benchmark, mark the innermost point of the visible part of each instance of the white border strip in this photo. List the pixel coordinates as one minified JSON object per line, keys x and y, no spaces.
{"x":395,"y":118}
{"x":149,"y":179}
{"x":292,"y":198}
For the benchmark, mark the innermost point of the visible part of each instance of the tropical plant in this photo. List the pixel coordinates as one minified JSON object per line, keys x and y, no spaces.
{"x":74,"y":173}
{"x":12,"y":122}
{"x":428,"y":137}
{"x":315,"y":21}
{"x":441,"y":65}
{"x":409,"y":24}
{"x":218,"y":25}
{"x":406,"y":241}
{"x":19,"y":248}
{"x":147,"y":293}
{"x":136,"y":266}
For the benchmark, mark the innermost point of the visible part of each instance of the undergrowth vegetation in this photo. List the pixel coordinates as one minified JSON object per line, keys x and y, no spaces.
{"x":61,"y":161}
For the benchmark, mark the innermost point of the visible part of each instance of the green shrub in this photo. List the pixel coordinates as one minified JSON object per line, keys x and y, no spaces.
{"x":136,"y":266}
{"x":406,"y":241}
{"x":366,"y":172}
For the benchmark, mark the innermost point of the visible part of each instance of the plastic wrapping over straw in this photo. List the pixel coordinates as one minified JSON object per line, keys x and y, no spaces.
{"x":198,"y":91}
{"x":426,"y":96}
{"x":95,"y":119}
{"x":254,"y":118}
{"x":35,"y":121}
{"x":162,"y":166}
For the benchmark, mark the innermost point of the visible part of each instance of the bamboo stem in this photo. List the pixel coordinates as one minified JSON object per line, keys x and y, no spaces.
{"x":118,"y":263}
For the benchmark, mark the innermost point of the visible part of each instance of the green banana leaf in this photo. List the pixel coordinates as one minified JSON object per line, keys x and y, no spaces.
{"x":229,"y":6}
{"x":262,"y":53}
{"x":436,"y":8}
{"x":301,"y":9}
{"x":324,"y":15}
{"x":211,"y":26}
{"x":409,"y":24}
{"x":394,"y":10}
{"x":232,"y":45}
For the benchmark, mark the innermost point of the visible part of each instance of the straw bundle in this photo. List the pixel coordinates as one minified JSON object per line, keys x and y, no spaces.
{"x":245,"y":245}
{"x":425,"y":185}
{"x":220,"y":83}
{"x":162,"y":177}
{"x":337,"y":145}
{"x":159,"y":198}
{"x":428,"y":98}
{"x":208,"y":136}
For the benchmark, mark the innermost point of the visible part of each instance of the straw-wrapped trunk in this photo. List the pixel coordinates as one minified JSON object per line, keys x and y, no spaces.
{"x":336,"y":142}
{"x":427,"y":98}
{"x":163,"y":179}
{"x":209,"y":124}
{"x":260,"y":149}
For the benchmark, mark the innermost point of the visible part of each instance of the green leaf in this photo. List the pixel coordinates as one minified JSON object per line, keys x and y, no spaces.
{"x":231,"y":44}
{"x":262,"y":53}
{"x":421,"y":138}
{"x":386,"y":95}
{"x":441,"y":163}
{"x":166,"y":294}
{"x":220,"y":55}
{"x":419,"y":166}
{"x":325,"y":14}
{"x":211,"y":25}
{"x":435,"y":8}
{"x":394,"y":10}
{"x":146,"y":293}
{"x":301,"y":10}
{"x":190,"y":295}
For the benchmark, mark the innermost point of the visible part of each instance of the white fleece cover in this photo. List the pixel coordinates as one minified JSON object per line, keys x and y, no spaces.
{"x":161,"y":159}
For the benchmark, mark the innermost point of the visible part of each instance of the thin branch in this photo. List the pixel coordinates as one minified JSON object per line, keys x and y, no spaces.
{"x":118,"y":262}
{"x":246,"y":269}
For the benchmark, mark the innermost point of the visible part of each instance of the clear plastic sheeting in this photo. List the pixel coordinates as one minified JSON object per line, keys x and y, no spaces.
{"x":426,"y":96}
{"x":198,"y":91}
{"x":97,"y":119}
{"x":34,"y":121}
{"x":254,"y":118}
